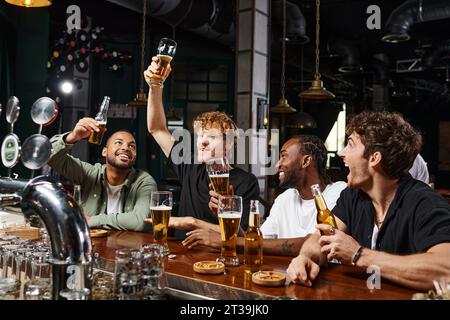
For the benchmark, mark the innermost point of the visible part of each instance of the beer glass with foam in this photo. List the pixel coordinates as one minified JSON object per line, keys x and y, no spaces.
{"x":229,"y":213}
{"x":219,"y":174}
{"x":166,"y":51}
{"x":160,"y":210}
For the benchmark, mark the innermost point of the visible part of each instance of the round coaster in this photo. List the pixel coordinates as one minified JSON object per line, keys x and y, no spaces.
{"x":98,"y":233}
{"x":269,"y":278}
{"x":209,"y":267}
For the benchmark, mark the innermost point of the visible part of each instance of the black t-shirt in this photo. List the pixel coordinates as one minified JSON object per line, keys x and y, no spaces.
{"x":195,"y":197}
{"x":417,"y":219}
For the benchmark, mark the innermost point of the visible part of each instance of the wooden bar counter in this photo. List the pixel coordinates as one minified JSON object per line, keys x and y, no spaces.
{"x":334,"y":282}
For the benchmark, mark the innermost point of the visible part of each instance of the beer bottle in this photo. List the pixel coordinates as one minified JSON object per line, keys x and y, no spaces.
{"x":101,"y":118}
{"x":253,"y":240}
{"x":324,"y":215}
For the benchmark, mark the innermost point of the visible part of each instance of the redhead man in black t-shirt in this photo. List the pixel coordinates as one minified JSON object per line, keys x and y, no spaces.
{"x":385,"y":218}
{"x":213,"y":141}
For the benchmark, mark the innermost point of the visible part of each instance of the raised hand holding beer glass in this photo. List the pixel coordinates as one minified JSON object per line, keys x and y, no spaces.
{"x":166,"y":51}
{"x":229,"y":212}
{"x":160,"y":210}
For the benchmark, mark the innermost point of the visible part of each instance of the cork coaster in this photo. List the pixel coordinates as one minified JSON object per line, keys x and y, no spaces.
{"x":269,"y":278}
{"x":98,"y":233}
{"x":209,"y":267}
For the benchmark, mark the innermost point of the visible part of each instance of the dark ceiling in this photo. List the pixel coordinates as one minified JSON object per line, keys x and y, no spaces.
{"x":341,"y":20}
{"x":345,"y":20}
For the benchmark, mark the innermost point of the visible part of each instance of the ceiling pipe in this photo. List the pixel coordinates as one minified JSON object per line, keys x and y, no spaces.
{"x":380,"y":67}
{"x":436,"y":55}
{"x":380,"y":93}
{"x":213,"y":19}
{"x":295,"y":22}
{"x":350,"y":58}
{"x":412,"y":12}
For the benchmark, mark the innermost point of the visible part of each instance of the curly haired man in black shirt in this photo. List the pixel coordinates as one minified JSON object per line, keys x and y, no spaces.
{"x":385,"y":217}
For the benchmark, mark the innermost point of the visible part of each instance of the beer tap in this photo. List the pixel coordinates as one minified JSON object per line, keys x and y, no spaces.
{"x":43,"y":199}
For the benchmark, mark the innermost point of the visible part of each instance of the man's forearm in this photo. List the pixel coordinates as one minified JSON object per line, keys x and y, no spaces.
{"x":311,"y":248}
{"x":277,"y":247}
{"x":201,"y":224}
{"x":156,"y":119}
{"x":415,"y":271}
{"x":69,"y":167}
{"x":283,"y":247}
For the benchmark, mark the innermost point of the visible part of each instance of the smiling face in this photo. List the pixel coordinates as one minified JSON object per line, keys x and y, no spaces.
{"x":290,"y":170}
{"x":215,"y":134}
{"x":358,"y":165}
{"x":210,"y":144}
{"x":120,"y":150}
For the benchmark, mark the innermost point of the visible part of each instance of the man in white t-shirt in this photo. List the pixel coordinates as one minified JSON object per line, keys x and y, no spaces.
{"x":293,"y":216}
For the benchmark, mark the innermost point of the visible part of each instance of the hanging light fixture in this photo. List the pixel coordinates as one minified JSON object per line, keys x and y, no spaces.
{"x":30,"y":3}
{"x":171,"y":115}
{"x":317,"y":91}
{"x":301,"y":120}
{"x":141,"y":97}
{"x":283,"y":105}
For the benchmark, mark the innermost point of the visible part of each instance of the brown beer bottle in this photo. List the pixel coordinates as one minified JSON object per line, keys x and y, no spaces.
{"x":324,"y":215}
{"x":101,"y":118}
{"x":253,"y":240}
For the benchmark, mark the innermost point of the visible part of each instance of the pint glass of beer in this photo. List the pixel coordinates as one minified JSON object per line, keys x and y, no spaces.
{"x":219,"y":174}
{"x":166,"y":51}
{"x":160,"y":209}
{"x":229,"y":212}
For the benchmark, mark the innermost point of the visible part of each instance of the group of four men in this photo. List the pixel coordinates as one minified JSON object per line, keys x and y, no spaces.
{"x":384,"y":216}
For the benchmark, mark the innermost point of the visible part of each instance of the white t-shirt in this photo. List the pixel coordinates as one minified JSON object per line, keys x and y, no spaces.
{"x":419,"y":170}
{"x":375,"y":231}
{"x":293,"y":217}
{"x":114,"y":203}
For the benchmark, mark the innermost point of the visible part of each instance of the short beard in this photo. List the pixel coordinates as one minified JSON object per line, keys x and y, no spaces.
{"x":116,"y":165}
{"x":291,"y":182}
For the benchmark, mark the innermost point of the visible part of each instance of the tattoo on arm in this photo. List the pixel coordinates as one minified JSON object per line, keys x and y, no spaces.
{"x":287,"y":248}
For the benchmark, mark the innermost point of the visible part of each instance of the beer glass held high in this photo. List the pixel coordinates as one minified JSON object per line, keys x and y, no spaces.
{"x":219,"y":173}
{"x":229,"y":212}
{"x":166,"y":51}
{"x":160,"y":210}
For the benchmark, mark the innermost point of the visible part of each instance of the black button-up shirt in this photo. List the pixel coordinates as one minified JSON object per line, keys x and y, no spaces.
{"x":417,"y":219}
